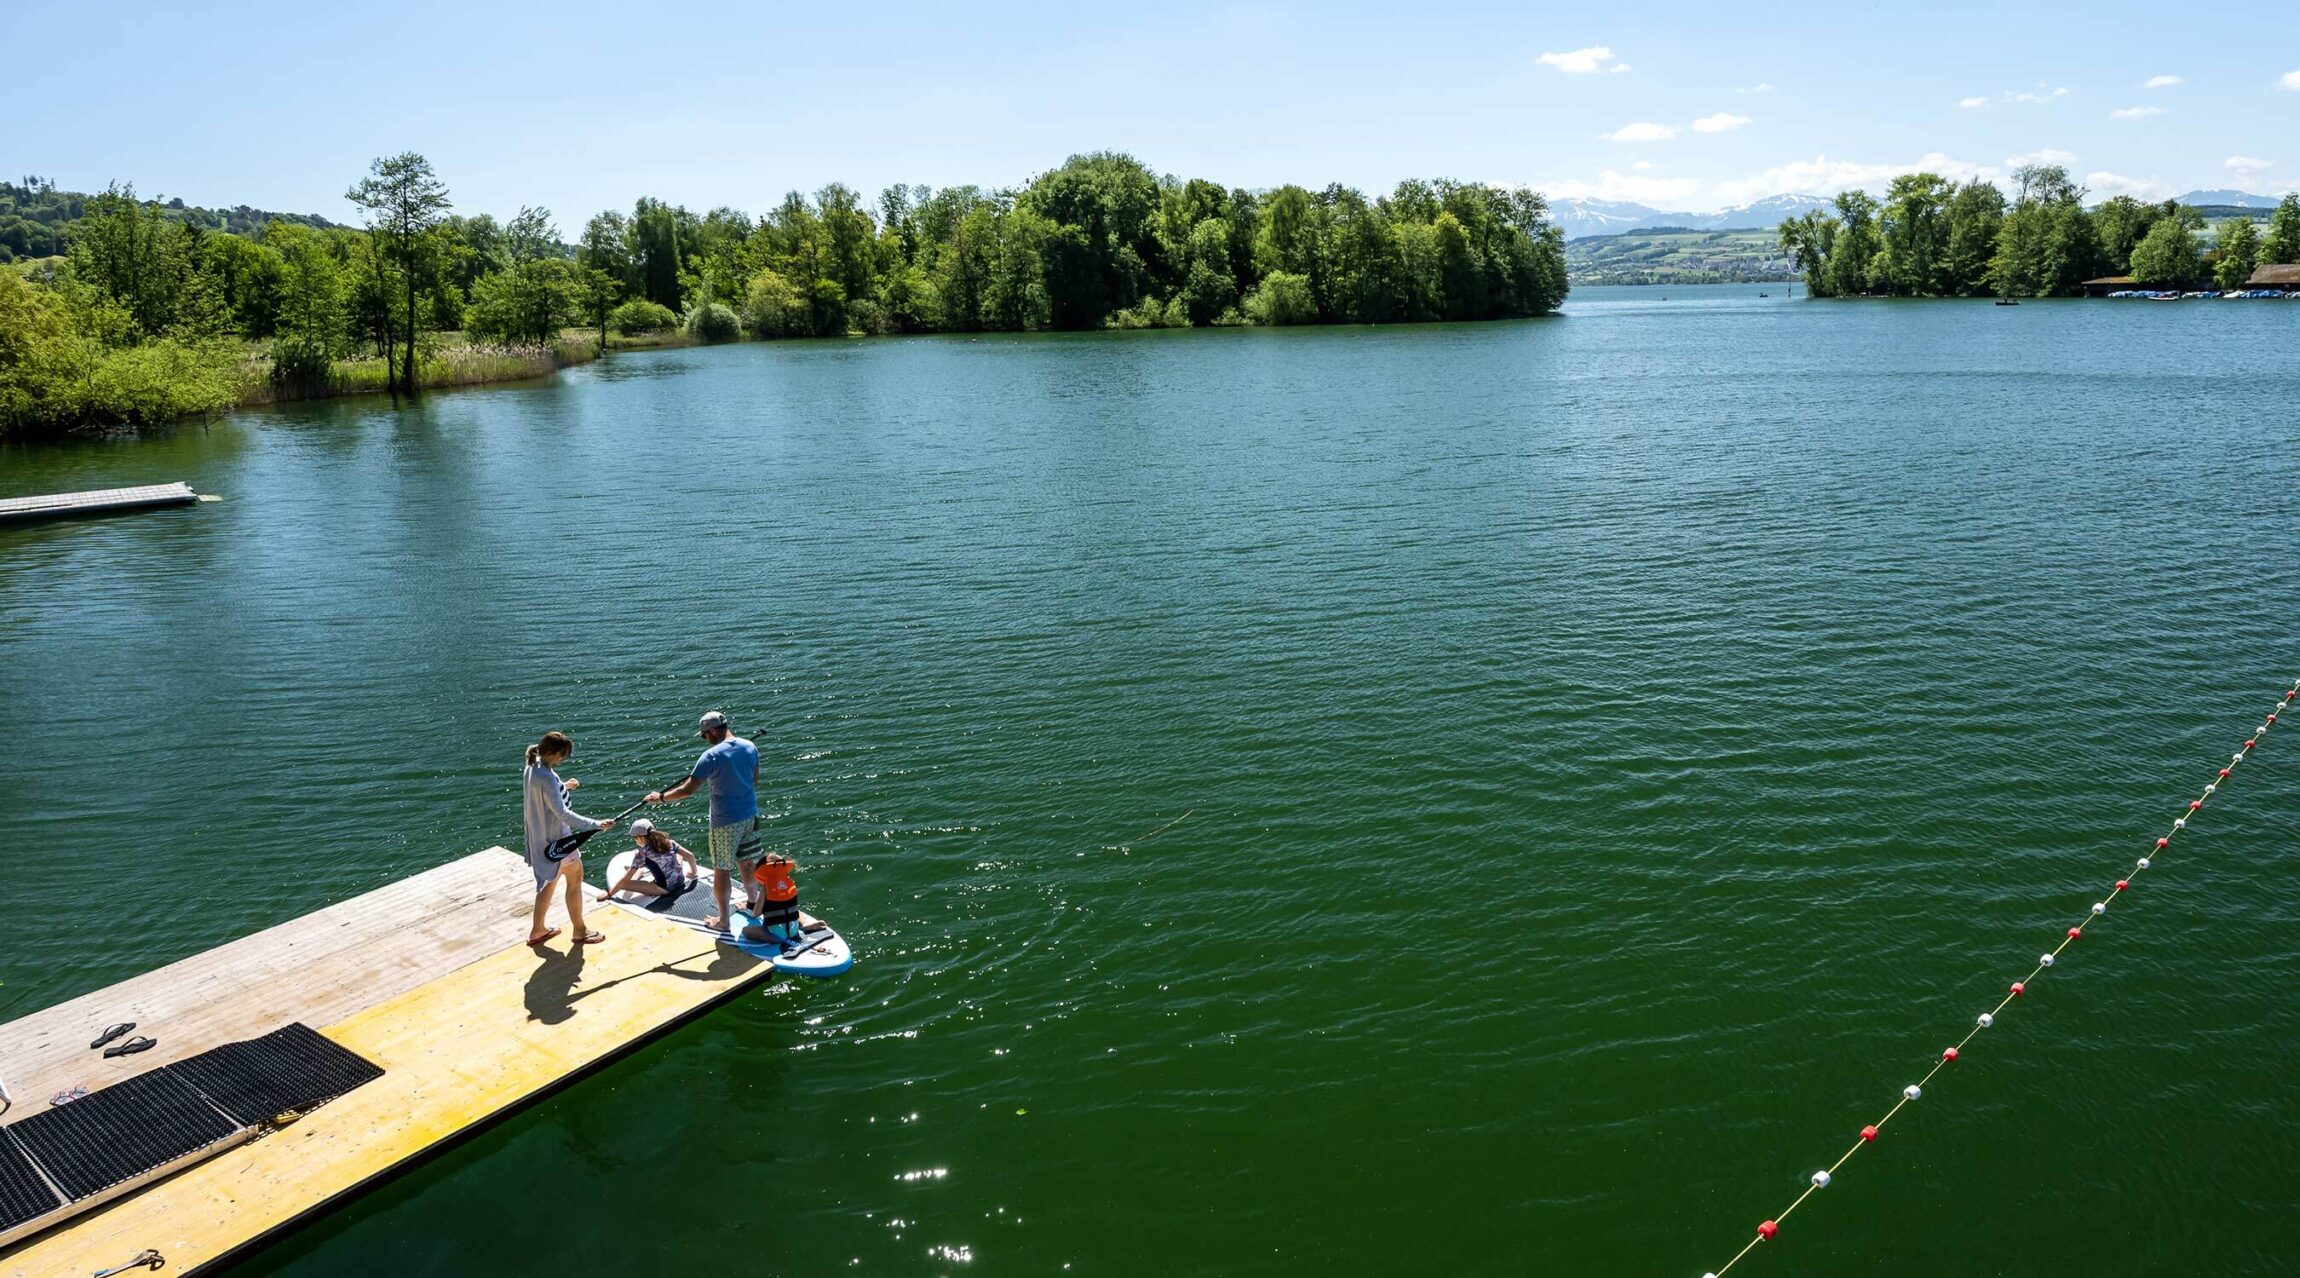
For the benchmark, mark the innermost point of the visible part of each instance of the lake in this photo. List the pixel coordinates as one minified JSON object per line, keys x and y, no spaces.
{"x":1613,"y":754}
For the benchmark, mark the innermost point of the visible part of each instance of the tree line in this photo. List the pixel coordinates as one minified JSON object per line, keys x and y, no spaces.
{"x":153,"y":310}
{"x":1930,"y":237}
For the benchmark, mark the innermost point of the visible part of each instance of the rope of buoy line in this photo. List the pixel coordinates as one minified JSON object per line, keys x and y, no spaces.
{"x":1868,"y":1135}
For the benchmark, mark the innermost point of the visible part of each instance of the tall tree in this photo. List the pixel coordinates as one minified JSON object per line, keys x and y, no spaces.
{"x":1976,"y":215}
{"x":1915,"y":232}
{"x":1808,"y":241}
{"x":655,"y":249}
{"x":2239,"y":253}
{"x":311,"y":304}
{"x":402,"y":200}
{"x":1857,"y":243}
{"x":2167,"y":256}
{"x":2283,"y":242}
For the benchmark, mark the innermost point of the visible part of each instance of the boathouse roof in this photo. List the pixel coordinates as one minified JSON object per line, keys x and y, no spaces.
{"x":2284,"y":276}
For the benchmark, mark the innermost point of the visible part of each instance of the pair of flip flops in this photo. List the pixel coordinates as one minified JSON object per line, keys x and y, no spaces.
{"x":134,"y":1045}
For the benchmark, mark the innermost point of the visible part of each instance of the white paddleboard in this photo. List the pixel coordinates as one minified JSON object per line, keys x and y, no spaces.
{"x":822,"y":951}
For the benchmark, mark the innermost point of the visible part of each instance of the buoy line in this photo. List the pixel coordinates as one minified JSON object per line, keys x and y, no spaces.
{"x":1820,"y":1179}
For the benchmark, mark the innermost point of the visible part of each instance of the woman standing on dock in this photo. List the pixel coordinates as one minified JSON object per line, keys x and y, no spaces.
{"x":552,"y":851}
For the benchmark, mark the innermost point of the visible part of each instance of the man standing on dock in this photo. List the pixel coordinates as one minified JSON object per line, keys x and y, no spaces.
{"x":731,"y":767}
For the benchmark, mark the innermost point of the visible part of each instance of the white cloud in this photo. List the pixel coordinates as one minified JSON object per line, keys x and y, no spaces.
{"x":2033,"y":97}
{"x":1642,"y":165}
{"x":1611,"y":185}
{"x":1722,"y":122}
{"x":2042,"y":155}
{"x":1620,"y":67}
{"x":2161,"y":82}
{"x":2245,"y":167}
{"x":1641,"y":131}
{"x":1756,"y":88}
{"x":2134,"y":113}
{"x":2101,"y":182}
{"x":1580,"y":61}
{"x":1824,"y":176}
{"x":2289,"y":80}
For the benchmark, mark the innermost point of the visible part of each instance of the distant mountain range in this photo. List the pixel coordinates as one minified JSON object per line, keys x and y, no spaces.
{"x":1610,"y":217}
{"x":1580,"y":218}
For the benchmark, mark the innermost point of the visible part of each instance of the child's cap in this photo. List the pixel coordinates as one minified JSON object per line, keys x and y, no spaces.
{"x":641,"y":828}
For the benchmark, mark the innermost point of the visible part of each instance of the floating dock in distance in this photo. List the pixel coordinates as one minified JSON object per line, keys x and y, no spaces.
{"x":102,"y":501}
{"x":427,"y":978}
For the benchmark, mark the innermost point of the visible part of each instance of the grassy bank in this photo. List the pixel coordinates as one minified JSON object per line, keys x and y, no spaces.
{"x":161,"y":383}
{"x":450,"y":363}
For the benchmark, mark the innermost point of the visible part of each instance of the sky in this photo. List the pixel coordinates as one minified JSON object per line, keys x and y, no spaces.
{"x":577,"y":107}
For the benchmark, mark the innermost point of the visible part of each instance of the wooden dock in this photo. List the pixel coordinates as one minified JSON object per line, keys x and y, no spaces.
{"x":429,"y":979}
{"x":102,"y":501}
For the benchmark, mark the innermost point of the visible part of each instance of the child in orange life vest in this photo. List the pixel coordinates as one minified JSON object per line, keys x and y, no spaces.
{"x":779,"y":915}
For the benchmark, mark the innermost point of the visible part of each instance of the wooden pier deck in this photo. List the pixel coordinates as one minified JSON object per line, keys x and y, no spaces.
{"x":101,"y":501}
{"x":428,"y":978}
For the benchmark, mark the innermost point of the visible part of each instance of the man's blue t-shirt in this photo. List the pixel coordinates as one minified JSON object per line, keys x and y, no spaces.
{"x":731,"y":769}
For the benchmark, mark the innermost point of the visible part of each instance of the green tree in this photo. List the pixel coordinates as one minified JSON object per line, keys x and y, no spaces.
{"x":44,"y":362}
{"x":134,"y":256}
{"x":2048,"y":244}
{"x":2239,"y":248}
{"x":772,"y":307}
{"x":1101,"y":213}
{"x":1915,"y":231}
{"x":1808,"y":241}
{"x":311,"y":317}
{"x":531,"y":237}
{"x":655,"y":252}
{"x":2120,"y":222}
{"x":1857,"y":243}
{"x":2283,"y":242}
{"x":1208,"y":286}
{"x":1976,"y":216}
{"x":1282,"y":298}
{"x":402,"y":200}
{"x":606,"y":246}
{"x":526,"y":305}
{"x":2167,"y":255}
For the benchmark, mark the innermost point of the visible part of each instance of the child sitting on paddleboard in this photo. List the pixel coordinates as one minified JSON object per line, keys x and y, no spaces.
{"x":660,"y":866}
{"x":778,"y":912}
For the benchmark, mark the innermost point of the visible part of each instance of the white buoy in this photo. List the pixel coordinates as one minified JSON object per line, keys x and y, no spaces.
{"x":2142,"y":863}
{"x":1820,"y":1180}
{"x":1912,"y":1091}
{"x":1988,"y":1019}
{"x":2044,"y":960}
{"x":2100,"y":907}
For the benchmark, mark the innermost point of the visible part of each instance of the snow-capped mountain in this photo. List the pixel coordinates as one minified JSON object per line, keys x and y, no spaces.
{"x":1579,"y":217}
{"x":2237,"y":199}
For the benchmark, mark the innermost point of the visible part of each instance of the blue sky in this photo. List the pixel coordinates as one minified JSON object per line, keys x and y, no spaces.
{"x":579,"y":106}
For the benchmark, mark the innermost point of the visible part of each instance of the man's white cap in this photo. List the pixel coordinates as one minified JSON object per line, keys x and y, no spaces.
{"x":641,"y":828}
{"x":712,"y":719}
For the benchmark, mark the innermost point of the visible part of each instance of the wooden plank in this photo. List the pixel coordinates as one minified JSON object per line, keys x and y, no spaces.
{"x":457,"y":1051}
{"x":96,"y":501}
{"x":318,"y":969}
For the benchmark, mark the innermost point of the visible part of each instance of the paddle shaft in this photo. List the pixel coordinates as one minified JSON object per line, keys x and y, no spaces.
{"x":575,"y":842}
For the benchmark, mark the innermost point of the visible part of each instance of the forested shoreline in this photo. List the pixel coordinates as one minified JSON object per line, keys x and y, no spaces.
{"x":1929,"y":237}
{"x":140,"y":312}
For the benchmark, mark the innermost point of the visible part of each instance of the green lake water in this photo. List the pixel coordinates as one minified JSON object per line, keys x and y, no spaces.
{"x":1620,"y":751}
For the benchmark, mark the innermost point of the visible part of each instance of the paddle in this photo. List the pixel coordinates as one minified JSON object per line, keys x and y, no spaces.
{"x":573,"y":843}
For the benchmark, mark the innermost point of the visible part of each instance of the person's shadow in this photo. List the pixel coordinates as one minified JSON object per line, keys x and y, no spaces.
{"x":551,"y":986}
{"x":551,"y":995}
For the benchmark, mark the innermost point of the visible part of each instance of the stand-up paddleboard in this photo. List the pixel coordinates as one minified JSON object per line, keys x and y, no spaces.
{"x":820,"y":951}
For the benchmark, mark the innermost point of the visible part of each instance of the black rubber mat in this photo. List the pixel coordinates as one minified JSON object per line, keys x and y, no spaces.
{"x":693,"y":905}
{"x":123,"y":1131}
{"x":291,"y":1068}
{"x":23,"y":1195}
